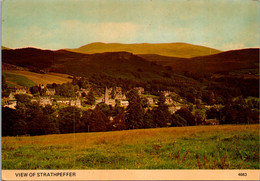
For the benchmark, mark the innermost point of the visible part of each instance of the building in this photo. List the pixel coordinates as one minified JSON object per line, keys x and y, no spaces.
{"x":140,"y":90}
{"x":166,"y":93}
{"x":50,"y":92}
{"x":168,"y":100}
{"x":10,"y":102}
{"x":83,"y":92}
{"x":63,"y":102}
{"x":174,"y":108}
{"x":120,"y":96}
{"x":43,"y":101}
{"x":124,"y":103}
{"x":150,"y":100}
{"x":76,"y":103}
{"x":21,"y":91}
{"x":106,"y":96}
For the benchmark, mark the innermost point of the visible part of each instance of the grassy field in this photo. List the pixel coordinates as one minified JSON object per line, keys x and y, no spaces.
{"x":14,"y":79}
{"x":198,"y":147}
{"x":44,"y":79}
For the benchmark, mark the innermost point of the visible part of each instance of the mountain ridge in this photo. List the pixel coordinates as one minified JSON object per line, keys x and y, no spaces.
{"x":166,"y":49}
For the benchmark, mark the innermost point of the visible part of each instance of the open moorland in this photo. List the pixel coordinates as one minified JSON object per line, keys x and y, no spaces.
{"x":197,"y":147}
{"x":32,"y":78}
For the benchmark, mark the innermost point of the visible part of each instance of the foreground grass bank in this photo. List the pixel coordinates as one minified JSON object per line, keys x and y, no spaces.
{"x":198,"y":147}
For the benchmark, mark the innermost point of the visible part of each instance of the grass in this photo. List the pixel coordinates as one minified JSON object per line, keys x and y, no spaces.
{"x":198,"y":147}
{"x":44,"y":79}
{"x":18,"y":80}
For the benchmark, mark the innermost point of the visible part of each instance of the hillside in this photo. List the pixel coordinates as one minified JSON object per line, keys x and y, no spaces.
{"x":4,"y":48}
{"x":195,"y":147}
{"x":16,"y":80}
{"x":234,"y":60}
{"x":36,"y":78}
{"x":166,"y":49}
{"x":115,"y":64}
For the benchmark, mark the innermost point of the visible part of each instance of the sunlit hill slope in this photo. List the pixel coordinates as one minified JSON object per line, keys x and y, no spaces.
{"x":166,"y":49}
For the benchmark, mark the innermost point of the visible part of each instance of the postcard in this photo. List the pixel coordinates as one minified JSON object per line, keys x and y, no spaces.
{"x":130,"y":90}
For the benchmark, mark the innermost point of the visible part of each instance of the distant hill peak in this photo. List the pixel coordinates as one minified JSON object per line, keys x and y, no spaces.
{"x":178,"y":49}
{"x":5,"y":48}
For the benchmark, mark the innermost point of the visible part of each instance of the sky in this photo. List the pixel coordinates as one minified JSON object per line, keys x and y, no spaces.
{"x":57,"y":24}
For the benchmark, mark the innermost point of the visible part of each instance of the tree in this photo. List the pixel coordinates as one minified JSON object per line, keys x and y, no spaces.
{"x":190,"y":98}
{"x":118,"y":122}
{"x":5,"y":91}
{"x":65,"y":90}
{"x":23,"y":103}
{"x":161,"y":113}
{"x":68,"y":119}
{"x":186,"y":114}
{"x":134,"y":111}
{"x":106,"y":109}
{"x":91,"y":98}
{"x":213,"y":113}
{"x":148,"y":121}
{"x":200,"y":116}
{"x":177,"y":120}
{"x":12,"y":123}
{"x":34,"y":90}
{"x":98,"y":121}
{"x":4,"y":85}
{"x":23,"y":98}
{"x":85,"y":119}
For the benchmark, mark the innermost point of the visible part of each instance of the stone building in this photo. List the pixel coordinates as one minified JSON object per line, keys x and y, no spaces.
{"x":50,"y":92}
{"x":43,"y":101}
{"x":76,"y":103}
{"x":10,"y":102}
{"x":124,"y":103}
{"x":140,"y":90}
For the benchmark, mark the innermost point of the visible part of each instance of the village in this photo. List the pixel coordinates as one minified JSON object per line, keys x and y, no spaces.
{"x":111,"y":97}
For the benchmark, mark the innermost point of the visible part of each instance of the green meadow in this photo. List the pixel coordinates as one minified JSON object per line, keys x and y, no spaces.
{"x":14,"y":79}
{"x":197,"y":147}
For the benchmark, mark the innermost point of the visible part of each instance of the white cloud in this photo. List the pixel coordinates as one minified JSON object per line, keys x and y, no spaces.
{"x":102,"y":32}
{"x":69,"y":34}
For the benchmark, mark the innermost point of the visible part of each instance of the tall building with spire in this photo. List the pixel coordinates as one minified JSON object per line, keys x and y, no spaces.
{"x":106,"y":96}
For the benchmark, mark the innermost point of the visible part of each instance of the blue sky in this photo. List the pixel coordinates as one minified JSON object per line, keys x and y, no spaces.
{"x":57,"y":24}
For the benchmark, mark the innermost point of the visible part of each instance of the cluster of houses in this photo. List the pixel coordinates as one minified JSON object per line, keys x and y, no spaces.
{"x":43,"y":100}
{"x":111,"y":96}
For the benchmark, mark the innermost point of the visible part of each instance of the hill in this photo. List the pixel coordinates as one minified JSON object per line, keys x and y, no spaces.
{"x":166,"y":49}
{"x":229,"y":61}
{"x":4,"y":48}
{"x":115,"y":64}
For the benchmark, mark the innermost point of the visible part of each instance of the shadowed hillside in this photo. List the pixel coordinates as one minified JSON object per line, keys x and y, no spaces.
{"x":116,"y":64}
{"x":223,"y":62}
{"x":166,"y":49}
